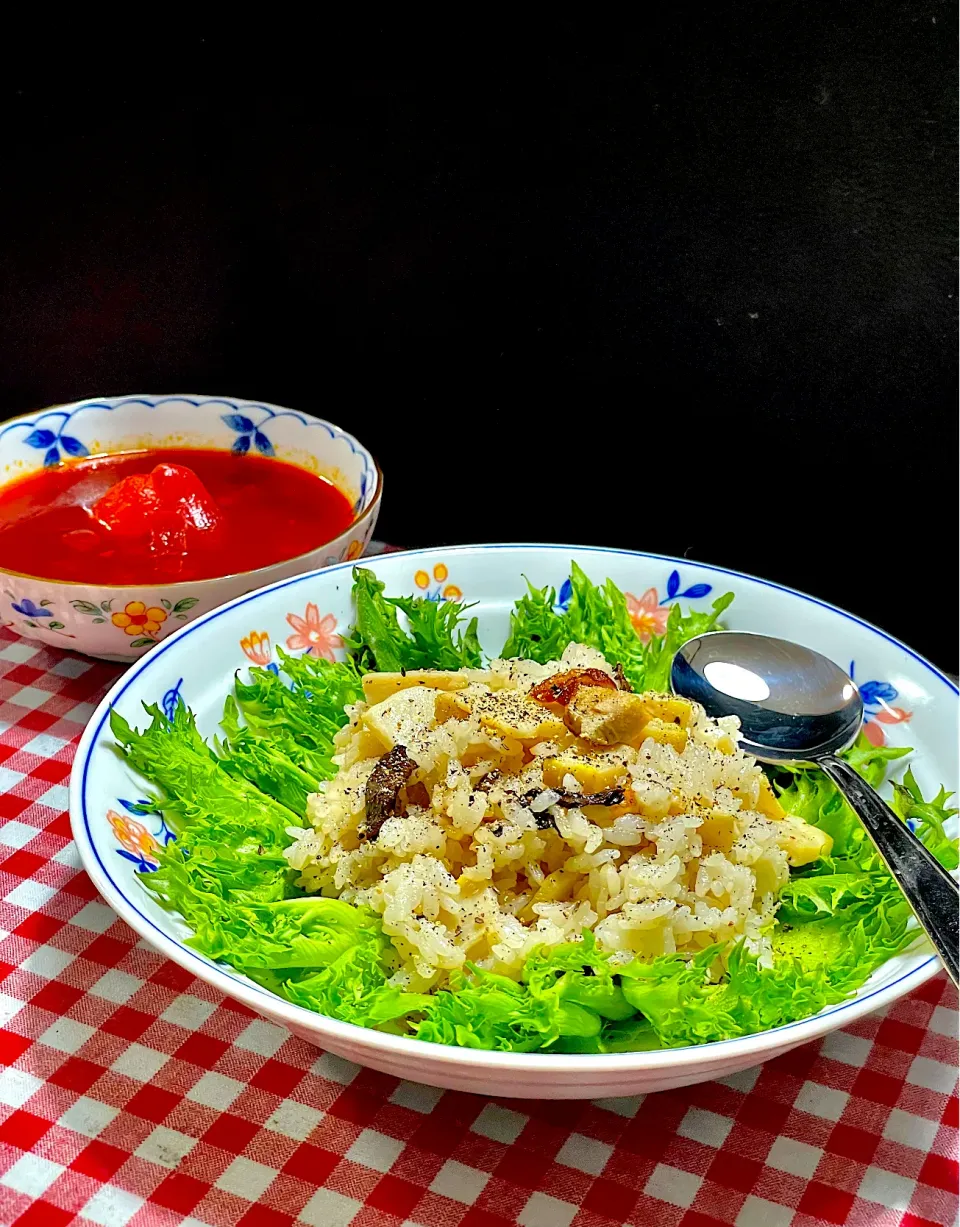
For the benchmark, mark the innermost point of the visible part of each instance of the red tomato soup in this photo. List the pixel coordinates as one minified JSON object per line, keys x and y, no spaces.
{"x":165,"y":515}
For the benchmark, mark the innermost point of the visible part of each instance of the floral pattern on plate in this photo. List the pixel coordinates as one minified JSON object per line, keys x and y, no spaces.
{"x":137,"y":843}
{"x":314,"y":635}
{"x":257,"y":648}
{"x":433,"y":584}
{"x":877,"y":710}
{"x":648,"y":612}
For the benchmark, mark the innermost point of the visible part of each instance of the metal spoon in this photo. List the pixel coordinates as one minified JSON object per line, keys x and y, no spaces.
{"x":795,"y":706}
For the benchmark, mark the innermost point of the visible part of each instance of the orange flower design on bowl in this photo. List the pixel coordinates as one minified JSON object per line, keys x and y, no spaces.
{"x":257,"y":647}
{"x":133,"y":836}
{"x":315,"y":635}
{"x":442,"y":590}
{"x":354,"y":550}
{"x":139,"y":619}
{"x":648,"y":616}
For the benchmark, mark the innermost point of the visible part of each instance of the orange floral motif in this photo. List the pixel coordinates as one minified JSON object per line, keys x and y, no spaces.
{"x":316,"y":635}
{"x":354,"y":550}
{"x":448,"y":592}
{"x":139,"y":619}
{"x":133,"y":836}
{"x":648,"y":616}
{"x":257,"y":647}
{"x":887,"y":715}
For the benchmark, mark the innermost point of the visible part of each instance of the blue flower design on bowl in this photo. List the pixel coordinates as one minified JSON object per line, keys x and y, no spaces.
{"x":248,"y":433}
{"x":38,"y":615}
{"x":50,"y":442}
{"x":29,"y":610}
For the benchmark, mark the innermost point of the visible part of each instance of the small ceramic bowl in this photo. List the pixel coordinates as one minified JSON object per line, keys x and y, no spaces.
{"x":120,"y":623}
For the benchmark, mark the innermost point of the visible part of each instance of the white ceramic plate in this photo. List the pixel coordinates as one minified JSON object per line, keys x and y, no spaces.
{"x":908,"y":701}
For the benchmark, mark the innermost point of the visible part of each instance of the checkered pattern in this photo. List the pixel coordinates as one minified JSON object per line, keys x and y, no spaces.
{"x":132,"y":1095}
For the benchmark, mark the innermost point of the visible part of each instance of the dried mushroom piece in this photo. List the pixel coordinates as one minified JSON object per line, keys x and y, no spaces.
{"x":570,"y":800}
{"x":609,"y":796}
{"x":621,"y":678}
{"x":382,"y":795}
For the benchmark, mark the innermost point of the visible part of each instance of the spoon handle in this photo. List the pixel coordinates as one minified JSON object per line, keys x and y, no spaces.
{"x":929,"y":889}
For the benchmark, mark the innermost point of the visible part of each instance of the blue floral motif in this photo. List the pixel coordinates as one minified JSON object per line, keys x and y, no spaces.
{"x":248,"y":433}
{"x":49,"y":442}
{"x":32,"y":613}
{"x":358,"y":505}
{"x":172,"y":700}
{"x":693,"y":593}
{"x":29,"y":610}
{"x":163,"y":835}
{"x":141,"y":862}
{"x":875,"y":695}
{"x":141,"y":807}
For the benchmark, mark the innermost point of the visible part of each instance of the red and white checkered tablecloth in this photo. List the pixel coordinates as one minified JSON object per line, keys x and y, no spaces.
{"x":132,"y":1095}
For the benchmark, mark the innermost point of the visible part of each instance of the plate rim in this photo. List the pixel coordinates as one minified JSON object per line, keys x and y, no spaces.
{"x":786,"y":1035}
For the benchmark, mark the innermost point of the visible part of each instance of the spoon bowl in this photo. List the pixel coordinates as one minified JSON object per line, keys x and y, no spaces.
{"x":792,"y":702}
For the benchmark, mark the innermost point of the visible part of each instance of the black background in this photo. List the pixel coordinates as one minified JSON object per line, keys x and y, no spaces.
{"x":685,"y":287}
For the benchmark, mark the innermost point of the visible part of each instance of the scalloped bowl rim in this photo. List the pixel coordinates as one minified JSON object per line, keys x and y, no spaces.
{"x":788,"y":1035}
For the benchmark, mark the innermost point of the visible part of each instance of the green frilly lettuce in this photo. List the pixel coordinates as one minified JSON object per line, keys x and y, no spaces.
{"x":597,"y":615}
{"x":433,"y":640}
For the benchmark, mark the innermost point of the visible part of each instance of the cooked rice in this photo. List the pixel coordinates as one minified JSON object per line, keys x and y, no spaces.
{"x":695,"y":855}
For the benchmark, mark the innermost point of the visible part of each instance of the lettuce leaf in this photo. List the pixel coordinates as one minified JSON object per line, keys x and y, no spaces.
{"x":434,"y":641}
{"x":633,"y":1035}
{"x":230,"y":835}
{"x":485,"y":1010}
{"x":226,"y":873}
{"x":309,"y":931}
{"x":284,"y":745}
{"x":597,"y":615}
{"x":814,"y":966}
{"x":567,"y":993}
{"x":354,"y":986}
{"x":928,"y":817}
{"x":297,"y":721}
{"x":811,"y":795}
{"x":537,"y":631}
{"x":574,"y":999}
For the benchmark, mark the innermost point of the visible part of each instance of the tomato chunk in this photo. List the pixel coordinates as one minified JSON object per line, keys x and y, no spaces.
{"x":168,"y":509}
